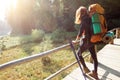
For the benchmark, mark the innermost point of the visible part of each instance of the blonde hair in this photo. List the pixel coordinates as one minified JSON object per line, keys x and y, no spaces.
{"x":96,"y":8}
{"x":79,"y":13}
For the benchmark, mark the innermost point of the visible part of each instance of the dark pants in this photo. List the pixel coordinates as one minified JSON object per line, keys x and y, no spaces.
{"x":86,"y":45}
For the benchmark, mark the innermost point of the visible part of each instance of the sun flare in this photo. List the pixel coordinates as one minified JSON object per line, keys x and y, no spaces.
{"x":5,"y":5}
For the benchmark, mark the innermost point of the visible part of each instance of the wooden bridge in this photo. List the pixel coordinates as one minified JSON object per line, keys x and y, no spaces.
{"x":108,"y":57}
{"x":109,"y":65}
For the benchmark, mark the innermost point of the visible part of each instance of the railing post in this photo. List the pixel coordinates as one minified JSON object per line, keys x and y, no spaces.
{"x":118,"y":33}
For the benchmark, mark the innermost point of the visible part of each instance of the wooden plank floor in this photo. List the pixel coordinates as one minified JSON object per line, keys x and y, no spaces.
{"x":109,"y":65}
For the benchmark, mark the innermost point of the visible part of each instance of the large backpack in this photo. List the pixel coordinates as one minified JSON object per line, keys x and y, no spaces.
{"x":98,"y":27}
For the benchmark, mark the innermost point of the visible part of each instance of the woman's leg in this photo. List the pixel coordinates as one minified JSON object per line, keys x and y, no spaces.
{"x":79,"y":53}
{"x":81,"y":57}
{"x":94,"y":56}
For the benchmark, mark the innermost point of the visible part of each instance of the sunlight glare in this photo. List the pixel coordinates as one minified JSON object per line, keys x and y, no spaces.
{"x":4,"y":5}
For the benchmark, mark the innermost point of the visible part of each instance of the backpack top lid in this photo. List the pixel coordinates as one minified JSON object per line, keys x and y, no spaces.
{"x":96,"y":8}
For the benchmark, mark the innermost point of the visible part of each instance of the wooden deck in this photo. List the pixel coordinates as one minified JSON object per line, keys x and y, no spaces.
{"x":109,"y":65}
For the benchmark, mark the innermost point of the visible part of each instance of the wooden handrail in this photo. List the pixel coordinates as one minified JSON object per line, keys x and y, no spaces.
{"x":32,"y":57}
{"x":29,"y":58}
{"x":116,"y":30}
{"x":118,"y":33}
{"x":63,"y":69}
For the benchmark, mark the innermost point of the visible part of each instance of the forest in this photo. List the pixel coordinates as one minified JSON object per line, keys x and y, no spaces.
{"x":49,"y":15}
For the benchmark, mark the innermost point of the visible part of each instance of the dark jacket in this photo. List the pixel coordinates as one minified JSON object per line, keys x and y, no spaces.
{"x":85,"y":30}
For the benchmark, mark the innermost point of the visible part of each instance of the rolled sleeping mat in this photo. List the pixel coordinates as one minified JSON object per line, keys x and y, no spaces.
{"x":109,"y":36}
{"x":96,"y":23}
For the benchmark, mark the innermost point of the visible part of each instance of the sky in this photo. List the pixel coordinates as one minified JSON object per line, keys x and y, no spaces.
{"x":3,"y":8}
{"x":4,"y":5}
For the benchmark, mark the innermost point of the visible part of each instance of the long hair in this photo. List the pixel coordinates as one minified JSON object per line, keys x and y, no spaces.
{"x":80,"y":12}
{"x":96,"y":8}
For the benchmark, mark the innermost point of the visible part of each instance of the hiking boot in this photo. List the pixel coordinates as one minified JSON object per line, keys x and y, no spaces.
{"x":94,"y":75}
{"x":86,"y":70}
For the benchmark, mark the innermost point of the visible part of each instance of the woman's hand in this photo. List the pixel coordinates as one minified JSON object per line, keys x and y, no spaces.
{"x":74,"y":41}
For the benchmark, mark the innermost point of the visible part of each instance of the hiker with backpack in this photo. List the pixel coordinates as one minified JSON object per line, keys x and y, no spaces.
{"x":84,"y":35}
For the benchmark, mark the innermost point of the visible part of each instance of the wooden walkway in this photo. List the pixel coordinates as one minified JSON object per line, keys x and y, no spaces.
{"x":109,"y":65}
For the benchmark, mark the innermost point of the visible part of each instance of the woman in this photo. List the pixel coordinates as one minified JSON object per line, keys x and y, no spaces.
{"x":84,"y":34}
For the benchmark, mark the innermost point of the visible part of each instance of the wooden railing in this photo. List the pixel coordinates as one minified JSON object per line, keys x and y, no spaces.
{"x":63,"y":69}
{"x":117,"y":32}
{"x":70,"y":65}
{"x":30,"y":58}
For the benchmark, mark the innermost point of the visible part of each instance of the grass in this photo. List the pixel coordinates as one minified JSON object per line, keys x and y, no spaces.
{"x":36,"y":69}
{"x":40,"y":68}
{"x":15,"y":47}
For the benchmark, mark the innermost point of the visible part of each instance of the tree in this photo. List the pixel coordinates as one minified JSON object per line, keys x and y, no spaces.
{"x":51,"y":14}
{"x":21,"y":18}
{"x":45,"y":16}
